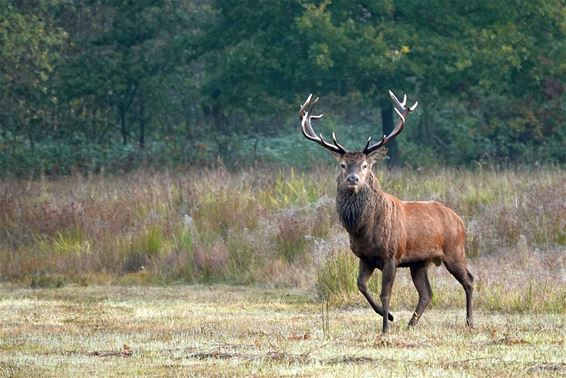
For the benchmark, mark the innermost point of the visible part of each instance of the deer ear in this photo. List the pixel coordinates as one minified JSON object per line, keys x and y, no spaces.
{"x":337,"y":156}
{"x":376,"y":155}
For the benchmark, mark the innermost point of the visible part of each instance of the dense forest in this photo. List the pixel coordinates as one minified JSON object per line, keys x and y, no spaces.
{"x":96,"y":85}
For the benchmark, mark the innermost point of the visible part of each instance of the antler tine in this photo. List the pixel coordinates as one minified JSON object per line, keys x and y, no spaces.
{"x":309,"y":126}
{"x":367,"y":147}
{"x":367,"y":144}
{"x":400,"y":116}
{"x":305,"y":110}
{"x":307,"y":107}
{"x":308,"y":131}
{"x":401,"y":104}
{"x":398,"y":104}
{"x":336,"y":142}
{"x":305,"y":104}
{"x":402,"y":111}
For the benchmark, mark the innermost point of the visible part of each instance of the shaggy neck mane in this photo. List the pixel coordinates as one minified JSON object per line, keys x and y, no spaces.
{"x":354,"y":208}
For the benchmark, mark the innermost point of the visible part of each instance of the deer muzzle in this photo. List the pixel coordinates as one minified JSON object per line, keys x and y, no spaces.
{"x":352,"y":180}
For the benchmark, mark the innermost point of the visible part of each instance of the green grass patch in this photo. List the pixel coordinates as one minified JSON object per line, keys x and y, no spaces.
{"x":290,"y":190}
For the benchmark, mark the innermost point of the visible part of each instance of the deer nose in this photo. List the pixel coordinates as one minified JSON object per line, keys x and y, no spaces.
{"x":352,"y":179}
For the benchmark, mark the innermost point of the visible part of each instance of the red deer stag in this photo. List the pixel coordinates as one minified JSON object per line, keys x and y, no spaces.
{"x":387,"y":233}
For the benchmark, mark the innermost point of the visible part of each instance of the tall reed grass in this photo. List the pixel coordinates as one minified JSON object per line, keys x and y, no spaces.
{"x":259,"y":226}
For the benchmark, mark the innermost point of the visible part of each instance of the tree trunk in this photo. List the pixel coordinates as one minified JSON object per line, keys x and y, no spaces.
{"x":142,"y":124}
{"x":387,"y":122}
{"x":93,"y":123}
{"x":30,"y":138}
{"x":123,"y":126}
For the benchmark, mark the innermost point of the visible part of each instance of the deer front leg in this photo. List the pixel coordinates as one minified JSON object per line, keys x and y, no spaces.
{"x":387,"y":278}
{"x":364,"y":275}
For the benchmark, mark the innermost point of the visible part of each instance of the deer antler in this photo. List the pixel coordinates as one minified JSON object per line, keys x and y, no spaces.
{"x":402,"y":111}
{"x":306,"y":127}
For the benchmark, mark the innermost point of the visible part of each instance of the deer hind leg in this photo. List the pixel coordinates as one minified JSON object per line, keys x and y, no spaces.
{"x":463,"y":275}
{"x":363,"y":277}
{"x":419,"y":274}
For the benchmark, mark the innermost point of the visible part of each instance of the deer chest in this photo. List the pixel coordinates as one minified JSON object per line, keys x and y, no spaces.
{"x":370,"y":252}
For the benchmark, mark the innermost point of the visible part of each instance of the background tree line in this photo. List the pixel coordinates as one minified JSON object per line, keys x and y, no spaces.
{"x":94,"y":85}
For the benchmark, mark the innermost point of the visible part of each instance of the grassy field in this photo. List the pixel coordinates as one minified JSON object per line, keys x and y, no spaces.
{"x":249,"y":273}
{"x":255,"y":226}
{"x":242,"y":331}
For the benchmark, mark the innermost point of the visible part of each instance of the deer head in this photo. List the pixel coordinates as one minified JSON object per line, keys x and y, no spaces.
{"x":355,"y":165}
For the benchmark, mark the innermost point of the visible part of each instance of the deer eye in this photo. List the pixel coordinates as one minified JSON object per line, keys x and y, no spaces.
{"x":364,"y":166}
{"x":343,"y":165}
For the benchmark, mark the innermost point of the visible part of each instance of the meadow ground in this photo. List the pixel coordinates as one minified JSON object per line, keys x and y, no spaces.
{"x":244,"y":331}
{"x":218,"y":273}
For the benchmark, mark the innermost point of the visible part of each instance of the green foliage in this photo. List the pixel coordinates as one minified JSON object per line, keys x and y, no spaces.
{"x":532,"y":297}
{"x":114,"y":86}
{"x":142,"y":248}
{"x":65,"y":244}
{"x":183,"y":246}
{"x":291,"y":190}
{"x":336,"y":277}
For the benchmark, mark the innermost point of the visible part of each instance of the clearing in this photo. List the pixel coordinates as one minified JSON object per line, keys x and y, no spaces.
{"x":242,"y":331}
